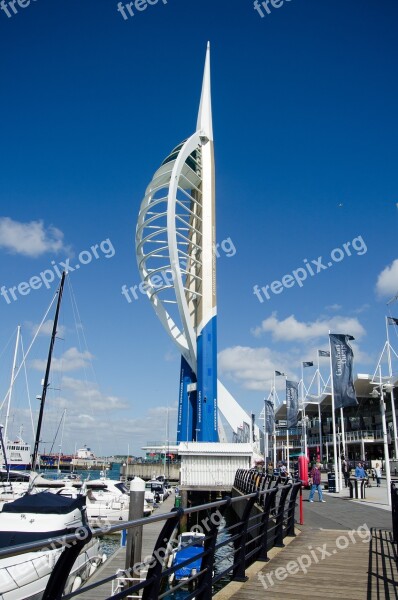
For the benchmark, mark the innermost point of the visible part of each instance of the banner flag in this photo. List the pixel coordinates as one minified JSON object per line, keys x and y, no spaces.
{"x":342,"y":371}
{"x":279,"y":373}
{"x":324,"y":353}
{"x":292,"y":403}
{"x":392,"y":321}
{"x":308,"y":364}
{"x":269,"y":417}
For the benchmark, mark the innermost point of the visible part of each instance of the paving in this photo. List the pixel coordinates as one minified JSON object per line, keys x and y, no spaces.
{"x":343,"y":551}
{"x":340,"y":512}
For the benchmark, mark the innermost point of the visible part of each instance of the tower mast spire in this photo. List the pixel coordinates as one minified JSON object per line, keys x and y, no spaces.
{"x":205,"y":120}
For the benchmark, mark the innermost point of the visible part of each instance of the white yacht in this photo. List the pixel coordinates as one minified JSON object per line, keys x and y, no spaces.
{"x":34,"y":517}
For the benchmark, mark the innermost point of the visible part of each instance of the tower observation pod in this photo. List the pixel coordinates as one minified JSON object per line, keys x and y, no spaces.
{"x":175,"y":247}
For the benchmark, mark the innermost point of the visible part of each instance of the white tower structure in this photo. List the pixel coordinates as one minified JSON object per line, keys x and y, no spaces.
{"x":175,"y":247}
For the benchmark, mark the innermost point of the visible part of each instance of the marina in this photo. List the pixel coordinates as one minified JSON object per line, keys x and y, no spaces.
{"x":253,"y":458}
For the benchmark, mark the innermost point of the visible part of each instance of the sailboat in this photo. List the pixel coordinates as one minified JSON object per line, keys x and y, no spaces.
{"x":17,"y":452}
{"x":42,"y":515}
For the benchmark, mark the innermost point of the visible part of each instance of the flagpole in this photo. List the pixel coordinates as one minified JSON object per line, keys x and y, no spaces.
{"x":303,"y":419}
{"x":287,"y":437}
{"x":274,"y":401}
{"x":333,"y":421}
{"x":394,"y":417}
{"x":265,"y":451}
{"x":385,"y":438}
{"x":265,"y":434}
{"x":319,"y":411}
{"x":343,"y":431}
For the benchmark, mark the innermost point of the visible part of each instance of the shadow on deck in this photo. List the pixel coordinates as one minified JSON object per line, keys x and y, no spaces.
{"x":382,"y":566}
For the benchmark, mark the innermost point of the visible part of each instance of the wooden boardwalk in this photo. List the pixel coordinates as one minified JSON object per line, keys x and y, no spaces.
{"x":327,"y":564}
{"x":117,"y":560}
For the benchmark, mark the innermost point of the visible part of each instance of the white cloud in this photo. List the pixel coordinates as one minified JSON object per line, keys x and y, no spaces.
{"x":46,"y":328}
{"x":88,"y":418}
{"x":29,"y":239}
{"x":290,"y":329}
{"x":253,"y":368}
{"x":387,"y":281}
{"x":71,"y":360}
{"x":334,"y":307}
{"x":361,"y":309}
{"x":88,"y":394}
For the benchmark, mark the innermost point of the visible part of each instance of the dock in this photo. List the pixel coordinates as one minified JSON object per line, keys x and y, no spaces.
{"x":117,"y":560}
{"x":344,"y":551}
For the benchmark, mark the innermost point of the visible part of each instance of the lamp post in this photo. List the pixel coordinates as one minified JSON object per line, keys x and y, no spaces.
{"x":376,"y":394}
{"x":265,"y":435}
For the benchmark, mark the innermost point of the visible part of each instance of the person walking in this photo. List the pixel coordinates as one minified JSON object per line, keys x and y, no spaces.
{"x":345,"y":467}
{"x":315,"y":477}
{"x":378,"y":474}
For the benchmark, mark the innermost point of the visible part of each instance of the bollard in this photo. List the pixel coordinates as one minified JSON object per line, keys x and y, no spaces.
{"x":134,"y":534}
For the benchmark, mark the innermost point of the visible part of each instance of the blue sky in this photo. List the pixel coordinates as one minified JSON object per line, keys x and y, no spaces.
{"x":305,"y":123}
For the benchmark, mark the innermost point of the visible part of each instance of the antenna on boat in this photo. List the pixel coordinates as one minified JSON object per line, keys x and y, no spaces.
{"x":47,"y":374}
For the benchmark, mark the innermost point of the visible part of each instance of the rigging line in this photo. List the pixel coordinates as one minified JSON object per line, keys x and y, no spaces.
{"x":12,"y":336}
{"x":78,"y":322}
{"x":79,"y":325}
{"x":27,"y":388}
{"x":79,"y":330}
{"x":56,"y":433}
{"x":28,"y":350}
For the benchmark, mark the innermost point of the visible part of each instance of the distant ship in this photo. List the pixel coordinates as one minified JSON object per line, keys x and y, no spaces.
{"x":86,"y":459}
{"x":18,"y":454}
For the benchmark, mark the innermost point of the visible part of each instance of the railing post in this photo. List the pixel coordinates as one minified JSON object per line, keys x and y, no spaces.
{"x":280,"y":515}
{"x":59,"y":575}
{"x":134,"y":534}
{"x":266,"y":502}
{"x":151,"y":592}
{"x":205,"y":581}
{"x":394,"y":514}
{"x":238,"y":478}
{"x":240,"y":543}
{"x":301,"y":507}
{"x":291,"y":509}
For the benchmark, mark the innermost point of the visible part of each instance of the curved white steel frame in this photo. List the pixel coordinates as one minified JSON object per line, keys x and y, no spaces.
{"x":168,"y":243}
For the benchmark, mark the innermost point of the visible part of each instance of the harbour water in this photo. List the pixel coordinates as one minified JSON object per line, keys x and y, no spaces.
{"x":110,"y":544}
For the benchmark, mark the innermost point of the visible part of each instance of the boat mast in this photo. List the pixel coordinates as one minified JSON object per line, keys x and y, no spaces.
{"x":14,"y":364}
{"x":47,"y":374}
{"x":62,"y":438}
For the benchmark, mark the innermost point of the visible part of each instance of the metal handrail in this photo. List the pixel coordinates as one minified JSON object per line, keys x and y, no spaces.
{"x":251,"y":537}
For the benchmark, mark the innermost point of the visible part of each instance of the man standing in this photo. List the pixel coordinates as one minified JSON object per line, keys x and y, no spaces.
{"x":315,"y":477}
{"x":345,"y":467}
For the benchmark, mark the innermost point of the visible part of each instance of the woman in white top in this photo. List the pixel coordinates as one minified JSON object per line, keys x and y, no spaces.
{"x":378,"y":474}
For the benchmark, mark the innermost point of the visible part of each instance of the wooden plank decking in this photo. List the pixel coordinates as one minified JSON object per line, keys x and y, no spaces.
{"x":334,"y":567}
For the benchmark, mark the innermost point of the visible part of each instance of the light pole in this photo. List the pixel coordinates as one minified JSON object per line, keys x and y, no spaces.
{"x":376,"y":394}
{"x":265,"y":435}
{"x":336,"y":467}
